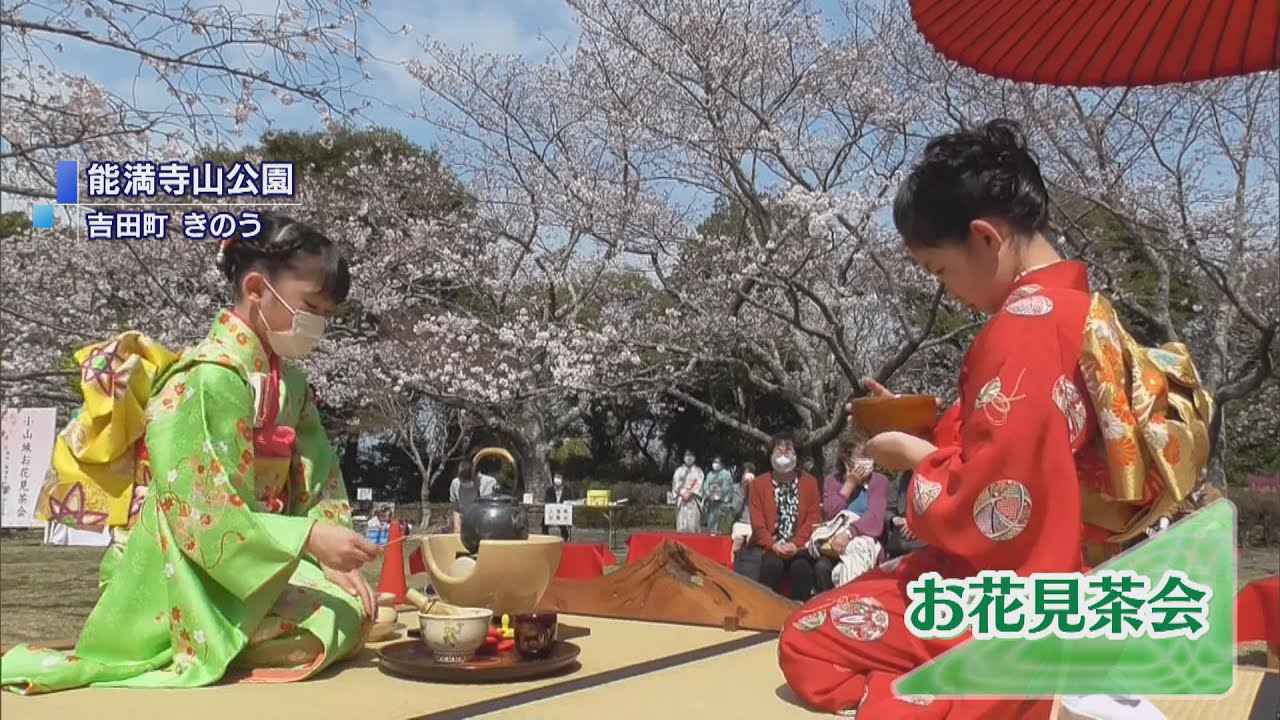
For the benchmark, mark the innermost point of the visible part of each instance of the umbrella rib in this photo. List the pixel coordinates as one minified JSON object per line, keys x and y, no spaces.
{"x":1164,"y":52}
{"x":1244,"y":46}
{"x":943,"y":23}
{"x":1199,"y":30}
{"x":1026,"y":7}
{"x":939,"y":14}
{"x":974,"y":17}
{"x":1217,"y":46}
{"x":1275,"y":45}
{"x":1125,"y":39}
{"x":1080,"y":40}
{"x":1093,"y":55}
{"x":1046,"y":8}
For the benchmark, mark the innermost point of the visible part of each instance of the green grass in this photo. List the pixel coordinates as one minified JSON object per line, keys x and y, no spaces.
{"x":47,"y":591}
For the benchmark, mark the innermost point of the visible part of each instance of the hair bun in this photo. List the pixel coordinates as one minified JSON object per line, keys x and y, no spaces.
{"x":1006,"y":135}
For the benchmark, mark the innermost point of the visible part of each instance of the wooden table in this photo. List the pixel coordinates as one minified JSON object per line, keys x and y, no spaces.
{"x":608,"y":511}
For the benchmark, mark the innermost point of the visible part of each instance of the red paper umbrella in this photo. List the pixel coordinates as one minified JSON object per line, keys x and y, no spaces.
{"x":1105,"y":43}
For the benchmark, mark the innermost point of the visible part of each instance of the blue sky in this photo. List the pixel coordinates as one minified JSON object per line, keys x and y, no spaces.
{"x":499,"y":26}
{"x":525,"y":27}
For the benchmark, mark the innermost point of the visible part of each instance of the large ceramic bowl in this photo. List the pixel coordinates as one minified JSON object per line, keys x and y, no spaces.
{"x":914,"y":414}
{"x":453,"y":634}
{"x":508,"y":576}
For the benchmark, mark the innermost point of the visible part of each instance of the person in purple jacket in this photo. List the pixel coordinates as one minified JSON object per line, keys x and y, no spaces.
{"x":854,"y":502}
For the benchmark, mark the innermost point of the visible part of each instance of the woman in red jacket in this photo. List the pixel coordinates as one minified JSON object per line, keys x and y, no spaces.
{"x":785,"y":507}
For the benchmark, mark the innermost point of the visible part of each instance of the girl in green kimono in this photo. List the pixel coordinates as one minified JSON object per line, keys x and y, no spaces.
{"x":241,"y":557}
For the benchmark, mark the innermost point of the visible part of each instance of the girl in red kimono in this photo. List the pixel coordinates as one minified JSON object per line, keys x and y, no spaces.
{"x":1002,"y":489}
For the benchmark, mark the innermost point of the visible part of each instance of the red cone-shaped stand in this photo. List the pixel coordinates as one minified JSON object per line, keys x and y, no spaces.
{"x":392,"y":579}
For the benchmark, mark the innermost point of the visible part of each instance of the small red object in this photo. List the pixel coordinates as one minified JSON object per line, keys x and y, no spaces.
{"x":392,"y":577}
{"x":506,"y":645}
{"x":417,"y":561}
{"x":1258,"y":612}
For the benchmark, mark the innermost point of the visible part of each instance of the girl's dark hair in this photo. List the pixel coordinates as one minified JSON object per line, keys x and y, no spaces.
{"x":277,"y":246}
{"x":987,"y":172}
{"x":781,"y":437}
{"x":749,"y":467}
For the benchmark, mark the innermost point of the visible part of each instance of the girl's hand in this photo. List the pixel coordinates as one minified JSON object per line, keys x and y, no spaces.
{"x":876,"y":389}
{"x":353,"y":582}
{"x":898,"y":451}
{"x":339,"y":548}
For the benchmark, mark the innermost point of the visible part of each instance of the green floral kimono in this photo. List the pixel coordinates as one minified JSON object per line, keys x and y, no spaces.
{"x":213,"y":574}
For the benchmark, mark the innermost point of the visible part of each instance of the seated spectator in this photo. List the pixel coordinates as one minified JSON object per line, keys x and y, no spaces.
{"x":785,"y":507}
{"x":854,"y":501}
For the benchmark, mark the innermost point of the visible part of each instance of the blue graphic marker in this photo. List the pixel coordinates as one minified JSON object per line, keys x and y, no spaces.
{"x":68,"y":184}
{"x":42,"y":216}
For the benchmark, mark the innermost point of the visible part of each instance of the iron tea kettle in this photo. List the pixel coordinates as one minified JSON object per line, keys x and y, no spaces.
{"x":500,"y":517}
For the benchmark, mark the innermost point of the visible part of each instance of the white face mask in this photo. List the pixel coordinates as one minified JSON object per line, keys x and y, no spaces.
{"x":301,"y":338}
{"x":716,"y":466}
{"x":862,"y":468}
{"x":748,"y":478}
{"x":784,"y":463}
{"x":557,"y":481}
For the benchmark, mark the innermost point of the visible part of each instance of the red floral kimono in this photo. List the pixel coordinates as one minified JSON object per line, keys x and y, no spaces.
{"x":1002,"y":492}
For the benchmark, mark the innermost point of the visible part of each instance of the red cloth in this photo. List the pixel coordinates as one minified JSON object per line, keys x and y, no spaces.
{"x":1258,"y":612}
{"x":584,"y":561}
{"x":1102,"y":42}
{"x":579,"y":561}
{"x":716,"y":547}
{"x":1002,"y":495}
{"x":764,"y":511}
{"x":417,"y":561}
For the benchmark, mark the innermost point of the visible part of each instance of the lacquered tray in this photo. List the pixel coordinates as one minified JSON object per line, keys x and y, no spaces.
{"x":411,"y":659}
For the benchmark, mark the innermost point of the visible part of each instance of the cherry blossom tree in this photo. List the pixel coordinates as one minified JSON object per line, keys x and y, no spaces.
{"x":433,"y":433}
{"x":618,"y":148}
{"x":215,"y":69}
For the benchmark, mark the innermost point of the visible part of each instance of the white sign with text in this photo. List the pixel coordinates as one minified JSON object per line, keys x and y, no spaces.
{"x":26,"y":450}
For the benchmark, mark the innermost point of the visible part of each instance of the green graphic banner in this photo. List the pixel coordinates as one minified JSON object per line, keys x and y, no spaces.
{"x":1201,"y":546}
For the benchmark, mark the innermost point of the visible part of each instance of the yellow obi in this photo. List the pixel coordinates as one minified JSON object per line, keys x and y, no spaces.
{"x":100,"y":469}
{"x":95,"y":473}
{"x":1153,"y":414}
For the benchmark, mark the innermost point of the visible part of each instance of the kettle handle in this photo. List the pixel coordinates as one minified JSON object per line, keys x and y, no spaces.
{"x":504,"y":454}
